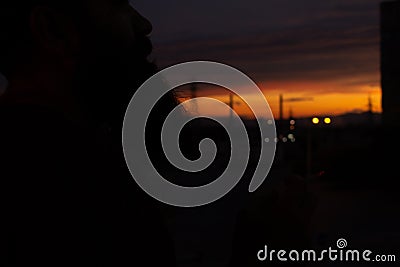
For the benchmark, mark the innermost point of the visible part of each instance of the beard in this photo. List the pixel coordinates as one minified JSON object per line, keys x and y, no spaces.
{"x":107,"y":84}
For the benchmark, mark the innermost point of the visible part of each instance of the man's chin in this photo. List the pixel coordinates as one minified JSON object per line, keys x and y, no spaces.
{"x":107,"y":93}
{"x":124,"y":89}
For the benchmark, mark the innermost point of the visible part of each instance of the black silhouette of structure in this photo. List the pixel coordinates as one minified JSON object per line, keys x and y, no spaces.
{"x":390,"y":59}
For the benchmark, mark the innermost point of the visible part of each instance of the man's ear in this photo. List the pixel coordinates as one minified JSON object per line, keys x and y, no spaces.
{"x":54,"y":33}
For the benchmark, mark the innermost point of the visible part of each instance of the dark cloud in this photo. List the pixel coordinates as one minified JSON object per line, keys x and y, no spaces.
{"x":299,"y":99}
{"x":280,"y":40}
{"x":289,"y":55}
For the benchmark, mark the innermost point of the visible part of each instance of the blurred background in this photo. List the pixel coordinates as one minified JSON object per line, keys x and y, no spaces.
{"x":329,"y":70}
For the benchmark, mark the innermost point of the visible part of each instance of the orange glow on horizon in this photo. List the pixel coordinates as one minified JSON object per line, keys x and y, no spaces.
{"x":304,"y":99}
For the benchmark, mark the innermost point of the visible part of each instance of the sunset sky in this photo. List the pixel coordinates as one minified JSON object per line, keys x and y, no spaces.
{"x":323,"y":56}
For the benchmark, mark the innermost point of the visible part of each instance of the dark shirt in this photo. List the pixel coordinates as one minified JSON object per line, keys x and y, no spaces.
{"x":69,"y":199}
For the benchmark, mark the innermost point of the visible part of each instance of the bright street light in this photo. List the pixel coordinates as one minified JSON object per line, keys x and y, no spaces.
{"x":327,"y":120}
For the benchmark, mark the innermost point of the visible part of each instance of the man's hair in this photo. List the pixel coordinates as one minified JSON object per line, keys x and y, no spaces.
{"x":15,"y":36}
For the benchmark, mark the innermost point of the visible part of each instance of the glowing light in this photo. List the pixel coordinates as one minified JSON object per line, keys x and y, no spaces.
{"x":290,"y":136}
{"x":292,"y":122}
{"x":327,"y":120}
{"x":315,"y":120}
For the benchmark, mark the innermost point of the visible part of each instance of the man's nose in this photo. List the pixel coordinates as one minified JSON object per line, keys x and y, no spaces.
{"x":142,"y":24}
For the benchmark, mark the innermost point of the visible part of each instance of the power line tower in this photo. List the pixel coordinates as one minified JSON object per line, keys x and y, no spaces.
{"x":370,"y":110}
{"x":231,"y":105}
{"x":193,"y":95}
{"x":370,"y":104}
{"x":280,"y":107}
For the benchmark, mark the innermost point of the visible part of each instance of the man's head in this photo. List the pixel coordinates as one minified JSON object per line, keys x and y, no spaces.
{"x":98,"y":47}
